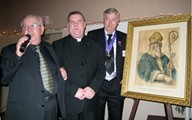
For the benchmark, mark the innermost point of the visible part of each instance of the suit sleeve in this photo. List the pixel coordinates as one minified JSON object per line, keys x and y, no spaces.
{"x":57,"y":46}
{"x":10,"y":64}
{"x":100,"y":71}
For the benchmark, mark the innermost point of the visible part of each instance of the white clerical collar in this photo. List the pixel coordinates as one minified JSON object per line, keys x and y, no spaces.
{"x":79,"y":40}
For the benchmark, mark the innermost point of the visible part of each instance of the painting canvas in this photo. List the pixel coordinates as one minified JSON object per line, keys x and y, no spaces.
{"x":158,"y":60}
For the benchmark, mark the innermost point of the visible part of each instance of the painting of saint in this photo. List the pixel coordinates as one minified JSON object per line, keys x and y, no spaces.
{"x":154,"y":65}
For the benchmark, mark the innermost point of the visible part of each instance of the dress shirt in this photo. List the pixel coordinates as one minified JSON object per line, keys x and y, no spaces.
{"x":114,"y":73}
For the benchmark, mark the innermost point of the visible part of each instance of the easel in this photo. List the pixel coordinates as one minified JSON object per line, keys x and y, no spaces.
{"x":167,"y":107}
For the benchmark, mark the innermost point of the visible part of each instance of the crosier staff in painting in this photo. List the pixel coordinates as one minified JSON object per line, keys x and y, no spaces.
{"x":173,"y":35}
{"x":154,"y":66}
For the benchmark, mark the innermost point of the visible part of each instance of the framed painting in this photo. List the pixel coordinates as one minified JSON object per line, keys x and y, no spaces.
{"x":158,"y":60}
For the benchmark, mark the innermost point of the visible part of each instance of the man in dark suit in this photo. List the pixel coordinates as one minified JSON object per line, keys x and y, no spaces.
{"x":113,"y":48}
{"x":29,"y":98}
{"x":82,"y":60}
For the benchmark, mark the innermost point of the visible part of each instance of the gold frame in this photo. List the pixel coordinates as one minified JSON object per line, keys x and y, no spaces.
{"x":129,"y":73}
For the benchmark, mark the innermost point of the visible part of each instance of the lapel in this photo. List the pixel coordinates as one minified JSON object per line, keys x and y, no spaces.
{"x":49,"y":51}
{"x":102,"y":40}
{"x":119,"y":50}
{"x":118,"y":44}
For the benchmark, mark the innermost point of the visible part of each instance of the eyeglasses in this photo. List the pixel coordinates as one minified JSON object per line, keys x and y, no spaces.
{"x":30,"y":27}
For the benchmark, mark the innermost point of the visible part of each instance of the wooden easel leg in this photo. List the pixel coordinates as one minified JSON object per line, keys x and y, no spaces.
{"x":168,"y":111}
{"x":134,"y":109}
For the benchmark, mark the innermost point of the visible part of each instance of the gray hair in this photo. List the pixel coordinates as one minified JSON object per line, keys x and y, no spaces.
{"x":111,"y":10}
{"x":40,"y":21}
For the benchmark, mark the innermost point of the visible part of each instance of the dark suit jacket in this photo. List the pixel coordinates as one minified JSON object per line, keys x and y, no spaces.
{"x":84,"y":64}
{"x":98,"y":36}
{"x":26,"y":97}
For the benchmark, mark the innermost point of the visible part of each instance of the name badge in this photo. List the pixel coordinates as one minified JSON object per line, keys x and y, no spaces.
{"x":123,"y":53}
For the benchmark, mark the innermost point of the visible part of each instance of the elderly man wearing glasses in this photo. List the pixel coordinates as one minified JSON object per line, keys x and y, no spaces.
{"x":36,"y":86}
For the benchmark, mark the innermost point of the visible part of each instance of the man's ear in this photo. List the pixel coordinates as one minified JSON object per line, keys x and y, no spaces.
{"x":42,"y":30}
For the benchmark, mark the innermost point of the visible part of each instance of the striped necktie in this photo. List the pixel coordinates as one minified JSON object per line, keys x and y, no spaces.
{"x":45,"y":72}
{"x":110,"y":58}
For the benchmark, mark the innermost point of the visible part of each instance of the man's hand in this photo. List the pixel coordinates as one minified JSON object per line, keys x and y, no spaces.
{"x":170,"y":65}
{"x":89,"y":93}
{"x":169,"y":80}
{"x":80,"y":94}
{"x":19,"y":43}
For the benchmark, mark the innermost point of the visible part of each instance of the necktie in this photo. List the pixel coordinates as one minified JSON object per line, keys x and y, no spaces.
{"x":109,"y":38}
{"x":45,"y":72}
{"x":110,"y":58}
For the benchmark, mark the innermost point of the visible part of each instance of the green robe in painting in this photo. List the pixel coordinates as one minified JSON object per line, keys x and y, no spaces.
{"x":148,"y":66}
